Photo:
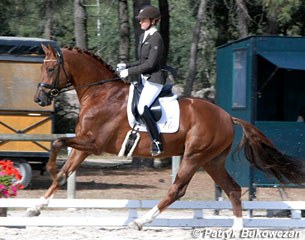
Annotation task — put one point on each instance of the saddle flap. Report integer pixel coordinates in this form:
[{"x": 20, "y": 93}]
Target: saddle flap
[{"x": 155, "y": 108}]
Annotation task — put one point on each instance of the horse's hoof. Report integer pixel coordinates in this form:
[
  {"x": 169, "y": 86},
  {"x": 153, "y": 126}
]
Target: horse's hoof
[
  {"x": 135, "y": 225},
  {"x": 32, "y": 212}
]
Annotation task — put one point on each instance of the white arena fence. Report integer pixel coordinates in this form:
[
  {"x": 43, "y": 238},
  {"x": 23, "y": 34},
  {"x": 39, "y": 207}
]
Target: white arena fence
[{"x": 130, "y": 212}]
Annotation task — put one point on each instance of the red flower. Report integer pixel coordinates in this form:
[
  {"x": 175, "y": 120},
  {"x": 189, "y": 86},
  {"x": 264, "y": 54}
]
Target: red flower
[{"x": 9, "y": 176}]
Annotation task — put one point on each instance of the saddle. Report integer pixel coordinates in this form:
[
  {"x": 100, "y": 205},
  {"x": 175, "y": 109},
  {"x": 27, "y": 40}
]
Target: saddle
[
  {"x": 165, "y": 111},
  {"x": 155, "y": 108}
]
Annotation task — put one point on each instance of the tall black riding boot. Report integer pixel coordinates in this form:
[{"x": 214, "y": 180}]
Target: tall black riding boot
[{"x": 153, "y": 131}]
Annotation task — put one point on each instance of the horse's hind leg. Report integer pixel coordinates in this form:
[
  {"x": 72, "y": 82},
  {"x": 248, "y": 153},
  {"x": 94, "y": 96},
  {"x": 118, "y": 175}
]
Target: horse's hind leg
[
  {"x": 176, "y": 191},
  {"x": 216, "y": 169}
]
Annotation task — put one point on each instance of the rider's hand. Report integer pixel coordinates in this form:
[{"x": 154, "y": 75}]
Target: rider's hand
[
  {"x": 120, "y": 67},
  {"x": 124, "y": 73}
]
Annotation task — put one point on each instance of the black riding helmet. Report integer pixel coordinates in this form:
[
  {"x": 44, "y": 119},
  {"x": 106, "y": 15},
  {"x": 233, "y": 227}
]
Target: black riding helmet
[{"x": 150, "y": 12}]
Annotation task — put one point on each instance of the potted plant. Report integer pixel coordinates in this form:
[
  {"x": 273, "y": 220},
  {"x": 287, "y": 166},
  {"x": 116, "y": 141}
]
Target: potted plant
[{"x": 9, "y": 177}]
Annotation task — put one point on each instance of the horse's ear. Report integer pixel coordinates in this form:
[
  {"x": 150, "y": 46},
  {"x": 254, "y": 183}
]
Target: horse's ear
[
  {"x": 44, "y": 48},
  {"x": 49, "y": 51},
  {"x": 54, "y": 52}
]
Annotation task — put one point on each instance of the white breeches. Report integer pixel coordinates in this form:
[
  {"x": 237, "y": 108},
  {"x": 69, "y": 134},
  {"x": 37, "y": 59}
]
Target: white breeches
[{"x": 149, "y": 93}]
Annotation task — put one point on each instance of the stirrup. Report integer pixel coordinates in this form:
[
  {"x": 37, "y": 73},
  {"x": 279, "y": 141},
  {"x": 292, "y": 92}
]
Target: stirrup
[{"x": 157, "y": 148}]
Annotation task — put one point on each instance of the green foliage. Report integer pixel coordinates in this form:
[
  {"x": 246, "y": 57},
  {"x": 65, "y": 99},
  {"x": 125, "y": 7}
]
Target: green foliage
[
  {"x": 5, "y": 7},
  {"x": 27, "y": 18},
  {"x": 104, "y": 40},
  {"x": 283, "y": 11},
  {"x": 181, "y": 25},
  {"x": 15, "y": 15},
  {"x": 63, "y": 25}
]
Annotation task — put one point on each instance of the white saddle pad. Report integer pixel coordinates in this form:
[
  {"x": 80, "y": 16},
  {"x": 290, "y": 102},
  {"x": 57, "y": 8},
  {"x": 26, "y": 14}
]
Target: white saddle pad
[{"x": 169, "y": 122}]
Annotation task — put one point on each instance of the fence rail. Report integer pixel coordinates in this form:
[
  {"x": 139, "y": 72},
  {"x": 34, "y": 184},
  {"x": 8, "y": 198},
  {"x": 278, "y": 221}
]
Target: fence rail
[
  {"x": 33, "y": 137},
  {"x": 198, "y": 219}
]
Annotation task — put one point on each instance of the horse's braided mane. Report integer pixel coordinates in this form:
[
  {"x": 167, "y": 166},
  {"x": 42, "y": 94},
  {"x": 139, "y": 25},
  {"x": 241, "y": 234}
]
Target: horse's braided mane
[{"x": 83, "y": 51}]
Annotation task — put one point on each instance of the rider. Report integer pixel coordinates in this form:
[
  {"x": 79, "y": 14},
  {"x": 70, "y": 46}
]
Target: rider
[{"x": 150, "y": 50}]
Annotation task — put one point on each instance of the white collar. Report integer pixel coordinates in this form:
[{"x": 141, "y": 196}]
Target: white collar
[{"x": 150, "y": 31}]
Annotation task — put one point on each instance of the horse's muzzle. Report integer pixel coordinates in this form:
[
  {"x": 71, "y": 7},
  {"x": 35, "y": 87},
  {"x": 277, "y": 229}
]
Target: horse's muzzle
[{"x": 42, "y": 98}]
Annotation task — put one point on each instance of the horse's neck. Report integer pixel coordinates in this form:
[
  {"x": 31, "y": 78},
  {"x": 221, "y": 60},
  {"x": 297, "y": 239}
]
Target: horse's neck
[
  {"x": 85, "y": 71},
  {"x": 110, "y": 99}
]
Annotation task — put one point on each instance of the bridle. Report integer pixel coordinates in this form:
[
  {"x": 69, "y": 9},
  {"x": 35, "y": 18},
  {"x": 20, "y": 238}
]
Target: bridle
[
  {"x": 54, "y": 87},
  {"x": 55, "y": 90}
]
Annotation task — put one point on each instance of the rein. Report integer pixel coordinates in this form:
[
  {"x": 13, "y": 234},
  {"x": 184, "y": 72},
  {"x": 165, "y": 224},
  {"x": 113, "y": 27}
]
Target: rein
[{"x": 101, "y": 82}]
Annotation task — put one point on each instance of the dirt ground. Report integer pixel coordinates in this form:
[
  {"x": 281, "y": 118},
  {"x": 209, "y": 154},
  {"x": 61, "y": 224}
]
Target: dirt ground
[
  {"x": 106, "y": 180},
  {"x": 113, "y": 178}
]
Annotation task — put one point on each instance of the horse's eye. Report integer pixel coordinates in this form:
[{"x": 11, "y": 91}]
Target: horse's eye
[{"x": 50, "y": 70}]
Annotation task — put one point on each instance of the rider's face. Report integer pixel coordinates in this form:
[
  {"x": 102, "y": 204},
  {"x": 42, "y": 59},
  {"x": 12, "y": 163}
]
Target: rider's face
[{"x": 145, "y": 23}]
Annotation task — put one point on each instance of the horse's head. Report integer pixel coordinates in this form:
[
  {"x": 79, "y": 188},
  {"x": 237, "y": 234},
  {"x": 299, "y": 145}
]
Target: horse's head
[{"x": 53, "y": 76}]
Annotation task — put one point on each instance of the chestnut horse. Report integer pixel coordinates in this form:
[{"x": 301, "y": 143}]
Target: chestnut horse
[{"x": 204, "y": 138}]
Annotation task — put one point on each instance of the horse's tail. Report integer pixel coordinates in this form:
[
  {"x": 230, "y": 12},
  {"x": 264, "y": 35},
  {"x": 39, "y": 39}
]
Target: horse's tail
[{"x": 261, "y": 153}]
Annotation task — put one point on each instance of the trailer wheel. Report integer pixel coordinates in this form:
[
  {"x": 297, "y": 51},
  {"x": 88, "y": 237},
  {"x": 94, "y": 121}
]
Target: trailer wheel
[{"x": 25, "y": 170}]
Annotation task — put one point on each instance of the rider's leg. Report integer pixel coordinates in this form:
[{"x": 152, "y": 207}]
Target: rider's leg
[
  {"x": 153, "y": 131},
  {"x": 149, "y": 93}
]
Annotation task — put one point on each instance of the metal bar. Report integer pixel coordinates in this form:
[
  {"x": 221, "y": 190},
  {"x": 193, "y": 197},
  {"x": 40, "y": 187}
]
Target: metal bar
[
  {"x": 41, "y": 146},
  {"x": 8, "y": 127},
  {"x": 33, "y": 137}
]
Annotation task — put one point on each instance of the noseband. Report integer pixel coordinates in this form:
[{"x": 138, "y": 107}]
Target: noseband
[{"x": 54, "y": 87}]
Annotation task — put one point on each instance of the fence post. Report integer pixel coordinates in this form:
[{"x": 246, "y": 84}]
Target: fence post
[
  {"x": 175, "y": 166},
  {"x": 71, "y": 193}
]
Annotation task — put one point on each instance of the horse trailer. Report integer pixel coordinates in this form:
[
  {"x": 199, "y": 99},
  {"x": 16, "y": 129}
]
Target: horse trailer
[
  {"x": 20, "y": 61},
  {"x": 261, "y": 80}
]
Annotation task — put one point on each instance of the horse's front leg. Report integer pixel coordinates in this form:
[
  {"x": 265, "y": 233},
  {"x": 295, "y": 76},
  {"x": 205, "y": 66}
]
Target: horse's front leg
[
  {"x": 72, "y": 163},
  {"x": 52, "y": 169},
  {"x": 51, "y": 165}
]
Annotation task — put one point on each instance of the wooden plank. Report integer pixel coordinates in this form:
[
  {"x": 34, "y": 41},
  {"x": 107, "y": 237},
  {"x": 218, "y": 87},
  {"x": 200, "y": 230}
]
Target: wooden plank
[
  {"x": 147, "y": 204},
  {"x": 176, "y": 219},
  {"x": 18, "y": 84},
  {"x": 159, "y": 222}
]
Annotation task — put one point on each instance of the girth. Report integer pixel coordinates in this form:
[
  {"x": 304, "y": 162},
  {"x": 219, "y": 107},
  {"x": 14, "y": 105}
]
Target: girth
[{"x": 155, "y": 108}]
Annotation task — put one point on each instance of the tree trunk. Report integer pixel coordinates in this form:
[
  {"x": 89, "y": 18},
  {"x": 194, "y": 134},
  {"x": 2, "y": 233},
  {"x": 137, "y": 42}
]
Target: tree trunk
[
  {"x": 194, "y": 47},
  {"x": 242, "y": 17},
  {"x": 124, "y": 31},
  {"x": 49, "y": 19},
  {"x": 164, "y": 28},
  {"x": 80, "y": 24},
  {"x": 137, "y": 6},
  {"x": 272, "y": 27}
]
